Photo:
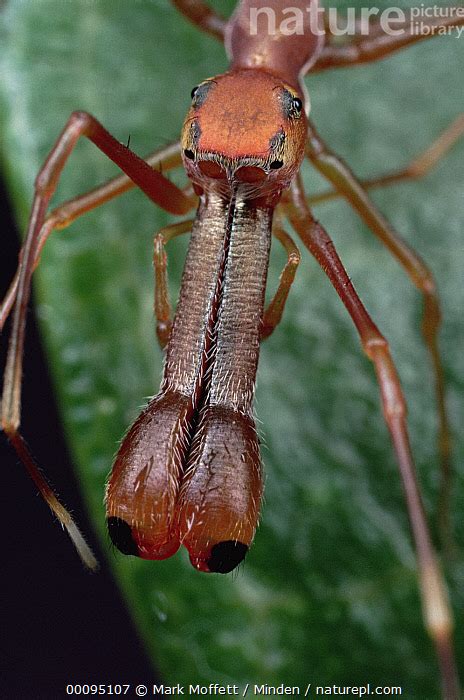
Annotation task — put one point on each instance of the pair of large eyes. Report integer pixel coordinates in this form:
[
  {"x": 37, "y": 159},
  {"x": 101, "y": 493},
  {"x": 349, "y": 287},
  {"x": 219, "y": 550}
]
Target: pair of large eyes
[{"x": 292, "y": 105}]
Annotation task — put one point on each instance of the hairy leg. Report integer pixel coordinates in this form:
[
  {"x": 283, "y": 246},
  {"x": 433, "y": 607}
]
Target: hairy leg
[
  {"x": 345, "y": 182},
  {"x": 163, "y": 159},
  {"x": 157, "y": 188},
  {"x": 418, "y": 167},
  {"x": 436, "y": 611}
]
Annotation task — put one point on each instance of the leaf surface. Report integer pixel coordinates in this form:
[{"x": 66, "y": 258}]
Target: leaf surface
[{"x": 328, "y": 593}]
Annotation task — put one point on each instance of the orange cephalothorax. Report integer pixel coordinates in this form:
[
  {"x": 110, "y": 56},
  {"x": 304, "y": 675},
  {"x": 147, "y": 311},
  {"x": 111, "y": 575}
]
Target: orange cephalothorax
[{"x": 246, "y": 125}]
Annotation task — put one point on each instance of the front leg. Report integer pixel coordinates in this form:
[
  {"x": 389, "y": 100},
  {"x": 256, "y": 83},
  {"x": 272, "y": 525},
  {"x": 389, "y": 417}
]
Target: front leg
[
  {"x": 163, "y": 159},
  {"x": 348, "y": 186},
  {"x": 436, "y": 611},
  {"x": 157, "y": 187}
]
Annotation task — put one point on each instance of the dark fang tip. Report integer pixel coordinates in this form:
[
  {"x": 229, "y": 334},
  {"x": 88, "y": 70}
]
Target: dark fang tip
[
  {"x": 225, "y": 556},
  {"x": 276, "y": 164},
  {"x": 189, "y": 154},
  {"x": 121, "y": 536}
]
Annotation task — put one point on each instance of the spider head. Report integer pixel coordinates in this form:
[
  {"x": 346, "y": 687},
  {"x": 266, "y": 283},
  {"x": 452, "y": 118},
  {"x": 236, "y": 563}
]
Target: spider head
[{"x": 245, "y": 128}]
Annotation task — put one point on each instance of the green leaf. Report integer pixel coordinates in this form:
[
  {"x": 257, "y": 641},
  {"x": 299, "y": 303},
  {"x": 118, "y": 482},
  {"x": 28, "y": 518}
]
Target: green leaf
[{"x": 328, "y": 593}]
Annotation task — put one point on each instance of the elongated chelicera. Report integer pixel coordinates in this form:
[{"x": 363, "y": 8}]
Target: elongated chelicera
[{"x": 188, "y": 471}]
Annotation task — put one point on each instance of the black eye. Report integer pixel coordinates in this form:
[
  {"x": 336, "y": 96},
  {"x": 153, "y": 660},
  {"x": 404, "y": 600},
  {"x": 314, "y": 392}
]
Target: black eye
[
  {"x": 292, "y": 105},
  {"x": 200, "y": 93},
  {"x": 297, "y": 105},
  {"x": 276, "y": 164},
  {"x": 189, "y": 154}
]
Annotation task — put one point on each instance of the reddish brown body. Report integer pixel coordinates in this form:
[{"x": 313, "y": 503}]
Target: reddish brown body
[{"x": 188, "y": 471}]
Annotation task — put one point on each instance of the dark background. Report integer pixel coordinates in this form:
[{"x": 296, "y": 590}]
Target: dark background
[{"x": 46, "y": 639}]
